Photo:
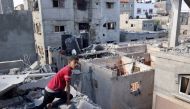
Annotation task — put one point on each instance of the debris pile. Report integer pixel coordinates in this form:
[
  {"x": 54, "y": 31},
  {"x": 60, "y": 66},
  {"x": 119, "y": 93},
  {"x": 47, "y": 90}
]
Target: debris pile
[{"x": 24, "y": 89}]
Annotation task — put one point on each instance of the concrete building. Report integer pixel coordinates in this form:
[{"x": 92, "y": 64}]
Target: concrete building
[
  {"x": 16, "y": 34},
  {"x": 171, "y": 81},
  {"x": 139, "y": 25},
  {"x": 100, "y": 19},
  {"x": 137, "y": 9},
  {"x": 163, "y": 7},
  {"x": 126, "y": 36},
  {"x": 122, "y": 88},
  {"x": 171, "y": 89}
]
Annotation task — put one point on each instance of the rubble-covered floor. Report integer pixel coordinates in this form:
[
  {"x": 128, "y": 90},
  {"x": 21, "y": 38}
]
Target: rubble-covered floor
[{"x": 24, "y": 90}]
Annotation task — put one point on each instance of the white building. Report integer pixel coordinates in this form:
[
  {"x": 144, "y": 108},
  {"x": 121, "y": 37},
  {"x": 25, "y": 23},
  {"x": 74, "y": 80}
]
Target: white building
[
  {"x": 137, "y": 8},
  {"x": 53, "y": 18}
]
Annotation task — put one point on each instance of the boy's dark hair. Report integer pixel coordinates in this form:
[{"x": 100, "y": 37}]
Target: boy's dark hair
[{"x": 75, "y": 58}]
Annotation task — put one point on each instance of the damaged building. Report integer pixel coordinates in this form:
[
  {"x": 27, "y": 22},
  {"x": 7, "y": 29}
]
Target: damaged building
[
  {"x": 16, "y": 33},
  {"x": 118, "y": 82},
  {"x": 94, "y": 21}
]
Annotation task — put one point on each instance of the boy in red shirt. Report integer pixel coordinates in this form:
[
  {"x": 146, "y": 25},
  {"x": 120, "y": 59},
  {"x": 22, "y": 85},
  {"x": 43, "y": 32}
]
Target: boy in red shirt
[{"x": 56, "y": 86}]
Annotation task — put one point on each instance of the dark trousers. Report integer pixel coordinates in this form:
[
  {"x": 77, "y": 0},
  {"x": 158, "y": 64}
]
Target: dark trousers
[{"x": 49, "y": 97}]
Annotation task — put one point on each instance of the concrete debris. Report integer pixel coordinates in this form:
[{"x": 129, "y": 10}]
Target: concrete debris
[
  {"x": 34, "y": 95},
  {"x": 12, "y": 101},
  {"x": 79, "y": 101},
  {"x": 35, "y": 65},
  {"x": 14, "y": 71},
  {"x": 10, "y": 81},
  {"x": 47, "y": 68}
]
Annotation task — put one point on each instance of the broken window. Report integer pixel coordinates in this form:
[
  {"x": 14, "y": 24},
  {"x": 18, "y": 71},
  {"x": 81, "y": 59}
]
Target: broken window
[
  {"x": 132, "y": 25},
  {"x": 59, "y": 28},
  {"x": 135, "y": 88},
  {"x": 35, "y": 6},
  {"x": 82, "y": 4},
  {"x": 84, "y": 26},
  {"x": 111, "y": 25},
  {"x": 62, "y": 28},
  {"x": 150, "y": 11},
  {"x": 185, "y": 85},
  {"x": 110, "y": 5},
  {"x": 138, "y": 10},
  {"x": 58, "y": 3}
]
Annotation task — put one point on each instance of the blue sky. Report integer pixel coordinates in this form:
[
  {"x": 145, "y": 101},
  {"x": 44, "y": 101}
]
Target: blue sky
[{"x": 184, "y": 6}]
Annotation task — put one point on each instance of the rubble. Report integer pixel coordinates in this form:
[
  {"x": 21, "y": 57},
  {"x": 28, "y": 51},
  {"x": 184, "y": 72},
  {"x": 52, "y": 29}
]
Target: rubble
[{"x": 27, "y": 89}]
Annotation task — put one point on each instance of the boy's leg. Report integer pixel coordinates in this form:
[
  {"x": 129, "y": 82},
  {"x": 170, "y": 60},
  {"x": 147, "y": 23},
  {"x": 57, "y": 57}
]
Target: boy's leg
[
  {"x": 63, "y": 96},
  {"x": 48, "y": 98}
]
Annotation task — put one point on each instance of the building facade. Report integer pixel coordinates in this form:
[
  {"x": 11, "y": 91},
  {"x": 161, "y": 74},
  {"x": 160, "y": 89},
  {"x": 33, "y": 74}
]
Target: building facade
[
  {"x": 139, "y": 25},
  {"x": 54, "y": 18},
  {"x": 137, "y": 8}
]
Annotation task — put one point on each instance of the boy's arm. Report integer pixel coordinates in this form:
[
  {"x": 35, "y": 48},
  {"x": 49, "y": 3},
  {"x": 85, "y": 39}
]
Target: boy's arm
[{"x": 68, "y": 91}]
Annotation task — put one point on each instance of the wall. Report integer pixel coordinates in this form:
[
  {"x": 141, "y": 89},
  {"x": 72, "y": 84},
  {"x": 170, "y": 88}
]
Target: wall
[
  {"x": 100, "y": 77},
  {"x": 140, "y": 25},
  {"x": 5, "y": 66},
  {"x": 135, "y": 36},
  {"x": 123, "y": 19},
  {"x": 99, "y": 84},
  {"x": 127, "y": 8},
  {"x": 144, "y": 7},
  {"x": 6, "y": 6},
  {"x": 165, "y": 102},
  {"x": 16, "y": 36},
  {"x": 122, "y": 98}
]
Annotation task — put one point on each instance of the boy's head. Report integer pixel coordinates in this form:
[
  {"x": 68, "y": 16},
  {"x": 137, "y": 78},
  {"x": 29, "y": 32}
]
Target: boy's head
[{"x": 73, "y": 61}]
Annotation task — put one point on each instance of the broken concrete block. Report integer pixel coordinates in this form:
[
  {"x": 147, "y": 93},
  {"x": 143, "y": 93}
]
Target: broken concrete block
[
  {"x": 6, "y": 103},
  {"x": 14, "y": 71},
  {"x": 35, "y": 65}
]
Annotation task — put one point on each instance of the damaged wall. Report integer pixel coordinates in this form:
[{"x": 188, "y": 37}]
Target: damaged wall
[
  {"x": 16, "y": 40},
  {"x": 97, "y": 84},
  {"x": 101, "y": 84},
  {"x": 124, "y": 98}
]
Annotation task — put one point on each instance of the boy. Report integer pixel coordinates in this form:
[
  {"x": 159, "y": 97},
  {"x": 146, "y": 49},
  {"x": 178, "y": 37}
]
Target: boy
[{"x": 56, "y": 86}]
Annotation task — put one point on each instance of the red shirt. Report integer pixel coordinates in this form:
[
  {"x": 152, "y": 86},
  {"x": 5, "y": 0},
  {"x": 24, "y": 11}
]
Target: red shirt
[{"x": 58, "y": 82}]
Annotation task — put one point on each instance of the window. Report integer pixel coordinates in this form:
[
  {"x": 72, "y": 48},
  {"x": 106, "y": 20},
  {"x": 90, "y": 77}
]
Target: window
[
  {"x": 111, "y": 25},
  {"x": 62, "y": 28},
  {"x": 138, "y": 10},
  {"x": 58, "y": 3},
  {"x": 185, "y": 85},
  {"x": 82, "y": 5},
  {"x": 110, "y": 5},
  {"x": 132, "y": 25},
  {"x": 84, "y": 26},
  {"x": 59, "y": 28},
  {"x": 144, "y": 25},
  {"x": 150, "y": 11}
]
